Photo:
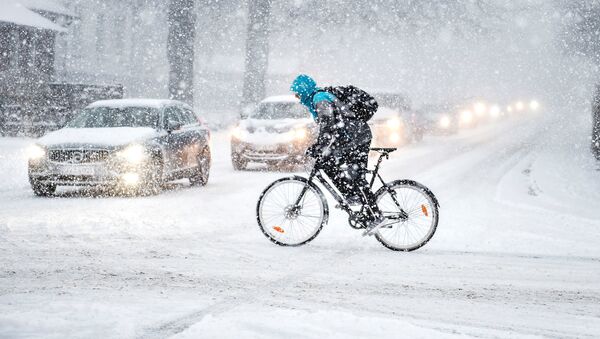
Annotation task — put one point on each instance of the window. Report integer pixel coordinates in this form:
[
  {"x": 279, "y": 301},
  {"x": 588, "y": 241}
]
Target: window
[
  {"x": 98, "y": 117},
  {"x": 191, "y": 118},
  {"x": 280, "y": 110},
  {"x": 173, "y": 114}
]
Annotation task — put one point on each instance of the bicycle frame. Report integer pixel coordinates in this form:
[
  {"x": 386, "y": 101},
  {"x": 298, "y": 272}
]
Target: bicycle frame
[{"x": 320, "y": 175}]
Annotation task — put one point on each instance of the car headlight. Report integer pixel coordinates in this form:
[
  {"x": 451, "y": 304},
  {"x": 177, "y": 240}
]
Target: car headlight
[
  {"x": 534, "y": 105},
  {"x": 445, "y": 121},
  {"x": 466, "y": 117},
  {"x": 479, "y": 108},
  {"x": 393, "y": 123},
  {"x": 133, "y": 154},
  {"x": 520, "y": 105},
  {"x": 495, "y": 111},
  {"x": 238, "y": 132},
  {"x": 300, "y": 133},
  {"x": 35, "y": 152}
]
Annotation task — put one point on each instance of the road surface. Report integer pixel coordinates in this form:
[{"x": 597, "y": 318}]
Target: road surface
[{"x": 516, "y": 253}]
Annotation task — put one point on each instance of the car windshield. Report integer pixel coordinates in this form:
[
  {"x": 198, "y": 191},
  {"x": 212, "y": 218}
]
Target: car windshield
[
  {"x": 279, "y": 110},
  {"x": 98, "y": 117}
]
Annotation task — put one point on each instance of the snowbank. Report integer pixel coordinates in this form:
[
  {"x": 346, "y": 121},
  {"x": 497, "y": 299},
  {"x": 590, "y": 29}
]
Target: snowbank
[
  {"x": 283, "y": 323},
  {"x": 15, "y": 13}
]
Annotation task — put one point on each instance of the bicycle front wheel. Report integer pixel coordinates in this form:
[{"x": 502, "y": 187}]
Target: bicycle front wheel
[
  {"x": 285, "y": 223},
  {"x": 411, "y": 199}
]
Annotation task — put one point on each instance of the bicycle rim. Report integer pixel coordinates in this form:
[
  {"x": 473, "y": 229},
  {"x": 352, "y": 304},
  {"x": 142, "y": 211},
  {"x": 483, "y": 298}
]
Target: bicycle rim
[
  {"x": 282, "y": 226},
  {"x": 417, "y": 230}
]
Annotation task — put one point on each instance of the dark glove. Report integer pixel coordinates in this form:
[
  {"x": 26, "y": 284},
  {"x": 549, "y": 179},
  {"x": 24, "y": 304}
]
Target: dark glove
[{"x": 313, "y": 152}]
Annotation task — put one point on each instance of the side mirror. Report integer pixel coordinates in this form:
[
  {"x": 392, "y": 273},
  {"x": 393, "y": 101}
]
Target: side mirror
[
  {"x": 173, "y": 126},
  {"x": 246, "y": 111}
]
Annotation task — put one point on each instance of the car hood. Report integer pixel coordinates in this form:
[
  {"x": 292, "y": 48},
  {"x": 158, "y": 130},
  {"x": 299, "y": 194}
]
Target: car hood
[
  {"x": 104, "y": 137},
  {"x": 271, "y": 131},
  {"x": 274, "y": 125}
]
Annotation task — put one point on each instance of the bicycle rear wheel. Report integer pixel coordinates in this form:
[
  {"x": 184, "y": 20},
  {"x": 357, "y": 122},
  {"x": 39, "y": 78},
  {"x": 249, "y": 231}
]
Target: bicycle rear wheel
[
  {"x": 284, "y": 224},
  {"x": 418, "y": 203}
]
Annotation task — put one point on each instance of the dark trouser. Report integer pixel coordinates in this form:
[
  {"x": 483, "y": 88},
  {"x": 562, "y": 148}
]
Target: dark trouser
[{"x": 346, "y": 166}]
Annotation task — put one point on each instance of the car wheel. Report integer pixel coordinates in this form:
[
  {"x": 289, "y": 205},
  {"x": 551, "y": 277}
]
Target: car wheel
[
  {"x": 239, "y": 163},
  {"x": 42, "y": 190},
  {"x": 201, "y": 174}
]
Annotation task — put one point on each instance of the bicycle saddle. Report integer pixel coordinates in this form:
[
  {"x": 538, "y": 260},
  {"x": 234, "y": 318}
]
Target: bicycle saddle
[{"x": 383, "y": 149}]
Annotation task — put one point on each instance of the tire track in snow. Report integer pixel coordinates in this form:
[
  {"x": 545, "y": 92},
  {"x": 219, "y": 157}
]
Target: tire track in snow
[{"x": 231, "y": 301}]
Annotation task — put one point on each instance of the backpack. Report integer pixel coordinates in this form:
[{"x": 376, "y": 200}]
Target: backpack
[{"x": 359, "y": 102}]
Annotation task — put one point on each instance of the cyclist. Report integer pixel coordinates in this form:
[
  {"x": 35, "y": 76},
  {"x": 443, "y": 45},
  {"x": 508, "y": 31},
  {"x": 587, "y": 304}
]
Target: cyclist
[{"x": 342, "y": 146}]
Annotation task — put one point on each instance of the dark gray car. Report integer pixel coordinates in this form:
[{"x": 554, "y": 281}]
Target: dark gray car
[{"x": 129, "y": 144}]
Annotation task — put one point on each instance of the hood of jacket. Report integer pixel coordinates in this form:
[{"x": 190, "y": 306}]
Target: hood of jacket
[{"x": 305, "y": 87}]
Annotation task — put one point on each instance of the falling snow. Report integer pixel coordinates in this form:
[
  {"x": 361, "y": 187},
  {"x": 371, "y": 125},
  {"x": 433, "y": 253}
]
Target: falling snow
[{"x": 180, "y": 114}]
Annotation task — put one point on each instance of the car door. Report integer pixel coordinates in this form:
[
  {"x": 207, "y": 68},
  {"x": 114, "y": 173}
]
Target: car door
[
  {"x": 196, "y": 135},
  {"x": 174, "y": 140}
]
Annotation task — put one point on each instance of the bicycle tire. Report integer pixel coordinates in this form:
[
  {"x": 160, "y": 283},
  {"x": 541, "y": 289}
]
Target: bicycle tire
[
  {"x": 312, "y": 188},
  {"x": 433, "y": 202}
]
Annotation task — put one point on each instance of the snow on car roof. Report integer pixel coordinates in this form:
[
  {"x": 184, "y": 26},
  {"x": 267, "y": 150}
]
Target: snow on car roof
[
  {"x": 15, "y": 13},
  {"x": 281, "y": 98},
  {"x": 50, "y": 6},
  {"x": 155, "y": 103}
]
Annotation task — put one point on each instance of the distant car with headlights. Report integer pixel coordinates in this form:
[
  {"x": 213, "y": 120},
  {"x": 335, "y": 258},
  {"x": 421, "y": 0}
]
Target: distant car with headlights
[
  {"x": 129, "y": 144},
  {"x": 389, "y": 128},
  {"x": 443, "y": 119},
  {"x": 277, "y": 133},
  {"x": 396, "y": 122}
]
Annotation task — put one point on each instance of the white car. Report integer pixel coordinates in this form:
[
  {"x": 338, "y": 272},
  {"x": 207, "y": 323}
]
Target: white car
[
  {"x": 389, "y": 128},
  {"x": 277, "y": 132}
]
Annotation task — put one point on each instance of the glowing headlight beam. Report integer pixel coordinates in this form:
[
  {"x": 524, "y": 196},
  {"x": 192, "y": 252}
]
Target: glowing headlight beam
[
  {"x": 519, "y": 105},
  {"x": 394, "y": 137},
  {"x": 466, "y": 117},
  {"x": 479, "y": 108},
  {"x": 131, "y": 179},
  {"x": 35, "y": 152},
  {"x": 300, "y": 134},
  {"x": 237, "y": 132},
  {"x": 445, "y": 121},
  {"x": 495, "y": 111},
  {"x": 133, "y": 154},
  {"x": 394, "y": 123},
  {"x": 534, "y": 105}
]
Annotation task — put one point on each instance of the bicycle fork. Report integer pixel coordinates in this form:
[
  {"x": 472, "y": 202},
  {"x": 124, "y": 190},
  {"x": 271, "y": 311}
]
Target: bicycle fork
[
  {"x": 296, "y": 207},
  {"x": 402, "y": 215}
]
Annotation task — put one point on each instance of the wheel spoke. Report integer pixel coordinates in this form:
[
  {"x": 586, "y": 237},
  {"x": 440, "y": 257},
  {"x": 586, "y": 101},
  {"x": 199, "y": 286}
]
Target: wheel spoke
[
  {"x": 419, "y": 226},
  {"x": 277, "y": 203}
]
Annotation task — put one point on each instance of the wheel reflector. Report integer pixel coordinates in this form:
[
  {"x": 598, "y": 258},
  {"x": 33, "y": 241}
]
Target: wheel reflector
[
  {"x": 424, "y": 209},
  {"x": 278, "y": 229}
]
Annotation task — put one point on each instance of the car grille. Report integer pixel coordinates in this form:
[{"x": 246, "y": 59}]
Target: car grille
[
  {"x": 78, "y": 156},
  {"x": 268, "y": 129}
]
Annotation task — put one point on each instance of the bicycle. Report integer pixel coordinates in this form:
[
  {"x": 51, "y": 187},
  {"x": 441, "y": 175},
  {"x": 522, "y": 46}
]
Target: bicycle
[{"x": 291, "y": 211}]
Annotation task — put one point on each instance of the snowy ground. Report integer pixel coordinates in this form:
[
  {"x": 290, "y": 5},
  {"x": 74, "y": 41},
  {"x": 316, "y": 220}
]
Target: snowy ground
[{"x": 516, "y": 253}]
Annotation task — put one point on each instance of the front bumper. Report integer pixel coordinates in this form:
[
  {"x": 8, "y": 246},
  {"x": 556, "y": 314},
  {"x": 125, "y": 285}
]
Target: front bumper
[
  {"x": 92, "y": 174},
  {"x": 269, "y": 153}
]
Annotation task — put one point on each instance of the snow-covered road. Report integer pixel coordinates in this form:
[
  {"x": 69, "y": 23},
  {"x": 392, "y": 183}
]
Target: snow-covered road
[{"x": 516, "y": 253}]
